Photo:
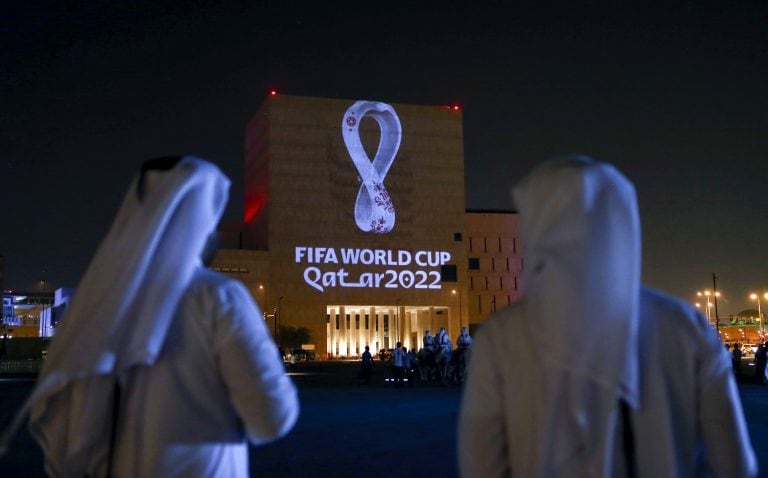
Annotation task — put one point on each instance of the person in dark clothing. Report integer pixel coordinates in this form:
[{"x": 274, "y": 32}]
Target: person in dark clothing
[
  {"x": 366, "y": 365},
  {"x": 761, "y": 359},
  {"x": 736, "y": 359}
]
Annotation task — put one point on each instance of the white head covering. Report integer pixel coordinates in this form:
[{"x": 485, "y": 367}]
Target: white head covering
[
  {"x": 120, "y": 314},
  {"x": 581, "y": 243}
]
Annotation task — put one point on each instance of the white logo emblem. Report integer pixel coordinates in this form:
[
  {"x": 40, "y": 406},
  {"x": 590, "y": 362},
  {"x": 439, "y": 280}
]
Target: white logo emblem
[{"x": 374, "y": 211}]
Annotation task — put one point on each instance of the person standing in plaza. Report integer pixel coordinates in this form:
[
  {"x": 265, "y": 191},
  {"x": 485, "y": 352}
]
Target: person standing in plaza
[
  {"x": 366, "y": 365},
  {"x": 161, "y": 367},
  {"x": 736, "y": 360},
  {"x": 398, "y": 362},
  {"x": 443, "y": 340},
  {"x": 412, "y": 360},
  {"x": 428, "y": 342},
  {"x": 586, "y": 376},
  {"x": 464, "y": 341},
  {"x": 407, "y": 367},
  {"x": 761, "y": 359}
]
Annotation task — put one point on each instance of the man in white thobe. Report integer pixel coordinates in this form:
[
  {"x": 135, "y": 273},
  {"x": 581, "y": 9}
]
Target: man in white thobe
[
  {"x": 161, "y": 368},
  {"x": 443, "y": 340},
  {"x": 464, "y": 340},
  {"x": 428, "y": 341},
  {"x": 590, "y": 374}
]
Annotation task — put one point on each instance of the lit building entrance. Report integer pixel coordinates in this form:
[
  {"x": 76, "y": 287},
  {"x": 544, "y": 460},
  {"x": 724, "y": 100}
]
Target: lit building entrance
[{"x": 349, "y": 328}]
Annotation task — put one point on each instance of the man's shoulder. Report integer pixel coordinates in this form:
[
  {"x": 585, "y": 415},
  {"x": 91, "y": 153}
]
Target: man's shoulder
[
  {"x": 209, "y": 279},
  {"x": 503, "y": 324},
  {"x": 673, "y": 320},
  {"x": 208, "y": 285},
  {"x": 657, "y": 306}
]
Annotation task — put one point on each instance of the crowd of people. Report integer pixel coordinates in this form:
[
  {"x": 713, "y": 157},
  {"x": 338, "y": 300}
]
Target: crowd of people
[{"x": 759, "y": 362}]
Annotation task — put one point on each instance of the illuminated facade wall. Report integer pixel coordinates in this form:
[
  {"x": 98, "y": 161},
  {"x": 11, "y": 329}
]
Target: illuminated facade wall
[
  {"x": 494, "y": 261},
  {"x": 357, "y": 210}
]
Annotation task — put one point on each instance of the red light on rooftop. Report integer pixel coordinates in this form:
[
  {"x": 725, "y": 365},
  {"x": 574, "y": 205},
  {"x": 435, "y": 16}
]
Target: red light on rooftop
[
  {"x": 455, "y": 107},
  {"x": 273, "y": 92}
]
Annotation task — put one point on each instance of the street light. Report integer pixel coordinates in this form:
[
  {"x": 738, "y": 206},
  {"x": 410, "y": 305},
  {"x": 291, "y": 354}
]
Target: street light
[
  {"x": 756, "y": 297},
  {"x": 708, "y": 294}
]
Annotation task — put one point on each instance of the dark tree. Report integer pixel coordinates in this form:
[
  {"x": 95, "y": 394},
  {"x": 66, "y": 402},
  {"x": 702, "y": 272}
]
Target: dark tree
[{"x": 294, "y": 337}]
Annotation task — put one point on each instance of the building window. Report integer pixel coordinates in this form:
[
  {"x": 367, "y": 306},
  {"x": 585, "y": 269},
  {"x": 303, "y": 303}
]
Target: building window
[
  {"x": 485, "y": 244},
  {"x": 486, "y": 282},
  {"x": 493, "y": 263},
  {"x": 474, "y": 263},
  {"x": 337, "y": 321},
  {"x": 514, "y": 245},
  {"x": 357, "y": 321},
  {"x": 448, "y": 273},
  {"x": 501, "y": 282},
  {"x": 479, "y": 304},
  {"x": 457, "y": 236},
  {"x": 499, "y": 244},
  {"x": 470, "y": 243},
  {"x": 377, "y": 322},
  {"x": 366, "y": 321},
  {"x": 515, "y": 282},
  {"x": 471, "y": 283},
  {"x": 386, "y": 325},
  {"x": 509, "y": 300},
  {"x": 347, "y": 321},
  {"x": 507, "y": 264}
]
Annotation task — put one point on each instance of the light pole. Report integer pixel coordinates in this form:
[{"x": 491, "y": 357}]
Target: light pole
[
  {"x": 756, "y": 297},
  {"x": 277, "y": 315},
  {"x": 714, "y": 291},
  {"x": 708, "y": 294},
  {"x": 461, "y": 321},
  {"x": 264, "y": 289},
  {"x": 397, "y": 321}
]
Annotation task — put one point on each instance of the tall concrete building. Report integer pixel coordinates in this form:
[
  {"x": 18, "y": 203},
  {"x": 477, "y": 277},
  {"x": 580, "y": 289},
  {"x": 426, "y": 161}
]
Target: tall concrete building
[{"x": 355, "y": 225}]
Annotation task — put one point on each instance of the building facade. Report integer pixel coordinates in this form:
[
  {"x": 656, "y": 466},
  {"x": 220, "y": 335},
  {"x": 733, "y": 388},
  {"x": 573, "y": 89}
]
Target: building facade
[
  {"x": 21, "y": 312},
  {"x": 355, "y": 225}
]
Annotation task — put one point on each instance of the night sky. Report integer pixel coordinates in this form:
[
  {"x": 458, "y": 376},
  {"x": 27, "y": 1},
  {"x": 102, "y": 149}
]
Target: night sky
[{"x": 675, "y": 97}]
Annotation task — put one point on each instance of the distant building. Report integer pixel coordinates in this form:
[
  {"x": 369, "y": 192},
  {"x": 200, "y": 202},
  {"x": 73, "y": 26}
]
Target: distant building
[
  {"x": 50, "y": 317},
  {"x": 21, "y": 312},
  {"x": 745, "y": 327},
  {"x": 355, "y": 225}
]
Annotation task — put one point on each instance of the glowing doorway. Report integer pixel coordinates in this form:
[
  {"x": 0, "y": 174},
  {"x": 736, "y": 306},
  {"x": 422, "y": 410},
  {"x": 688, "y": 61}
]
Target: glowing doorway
[{"x": 349, "y": 328}]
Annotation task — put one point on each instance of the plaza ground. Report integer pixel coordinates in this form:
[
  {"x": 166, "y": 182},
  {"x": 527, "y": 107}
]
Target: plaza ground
[{"x": 351, "y": 430}]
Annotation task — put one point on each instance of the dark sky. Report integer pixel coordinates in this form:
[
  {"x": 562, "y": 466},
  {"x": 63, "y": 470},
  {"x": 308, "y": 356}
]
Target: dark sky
[{"x": 676, "y": 97}]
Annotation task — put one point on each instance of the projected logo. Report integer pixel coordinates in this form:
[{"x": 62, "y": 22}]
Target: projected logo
[{"x": 374, "y": 211}]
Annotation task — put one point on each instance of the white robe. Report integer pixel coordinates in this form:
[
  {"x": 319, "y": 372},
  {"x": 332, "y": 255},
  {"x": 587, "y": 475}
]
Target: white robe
[
  {"x": 549, "y": 378},
  {"x": 176, "y": 413},
  {"x": 690, "y": 422},
  {"x": 217, "y": 382}
]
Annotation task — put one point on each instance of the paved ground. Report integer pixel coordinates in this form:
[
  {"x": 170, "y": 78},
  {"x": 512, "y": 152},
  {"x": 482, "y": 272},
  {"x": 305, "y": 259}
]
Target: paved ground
[{"x": 349, "y": 430}]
